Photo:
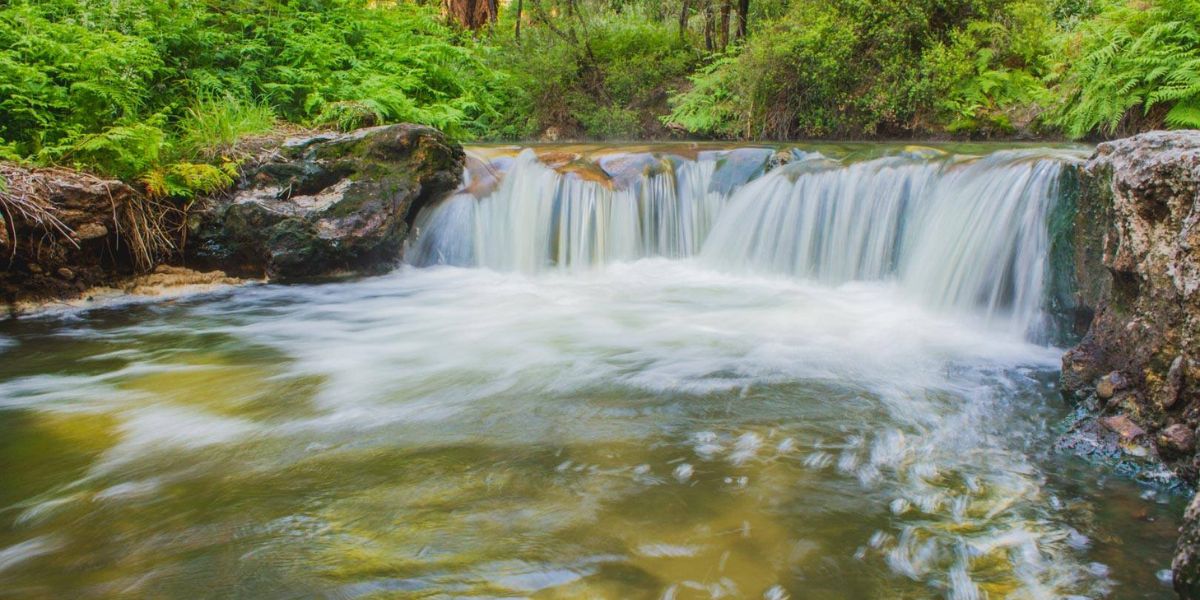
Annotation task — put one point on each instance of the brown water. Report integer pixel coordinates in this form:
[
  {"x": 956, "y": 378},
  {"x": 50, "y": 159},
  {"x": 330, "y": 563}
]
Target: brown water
[{"x": 651, "y": 430}]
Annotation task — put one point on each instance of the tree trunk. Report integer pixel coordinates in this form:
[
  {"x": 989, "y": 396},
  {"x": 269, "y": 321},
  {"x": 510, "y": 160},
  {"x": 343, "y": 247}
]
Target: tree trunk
[
  {"x": 471, "y": 14},
  {"x": 726, "y": 8},
  {"x": 708, "y": 25},
  {"x": 519, "y": 2},
  {"x": 683, "y": 18},
  {"x": 743, "y": 25}
]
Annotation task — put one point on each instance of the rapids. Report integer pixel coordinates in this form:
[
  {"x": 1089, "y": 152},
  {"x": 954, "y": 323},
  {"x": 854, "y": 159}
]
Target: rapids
[{"x": 660, "y": 375}]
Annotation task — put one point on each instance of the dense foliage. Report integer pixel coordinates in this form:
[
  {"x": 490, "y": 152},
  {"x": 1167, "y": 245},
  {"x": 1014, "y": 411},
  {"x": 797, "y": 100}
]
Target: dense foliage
[
  {"x": 849, "y": 68},
  {"x": 1131, "y": 61},
  {"x": 600, "y": 74},
  {"x": 161, "y": 91}
]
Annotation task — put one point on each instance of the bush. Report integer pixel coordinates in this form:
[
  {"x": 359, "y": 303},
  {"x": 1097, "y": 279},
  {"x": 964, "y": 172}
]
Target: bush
[{"x": 606, "y": 76}]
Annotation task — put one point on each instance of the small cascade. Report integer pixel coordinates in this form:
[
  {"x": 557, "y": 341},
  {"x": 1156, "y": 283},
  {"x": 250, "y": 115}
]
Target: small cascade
[
  {"x": 539, "y": 219},
  {"x": 958, "y": 233}
]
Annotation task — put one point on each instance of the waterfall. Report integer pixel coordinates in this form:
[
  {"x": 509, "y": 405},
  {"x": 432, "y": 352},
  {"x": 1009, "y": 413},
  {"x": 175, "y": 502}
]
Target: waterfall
[
  {"x": 961, "y": 233},
  {"x": 540, "y": 219}
]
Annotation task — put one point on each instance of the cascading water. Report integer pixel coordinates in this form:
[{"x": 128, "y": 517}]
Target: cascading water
[
  {"x": 539, "y": 219},
  {"x": 960, "y": 233}
]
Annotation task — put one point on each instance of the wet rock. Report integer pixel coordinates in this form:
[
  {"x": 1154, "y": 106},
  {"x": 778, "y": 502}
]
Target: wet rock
[
  {"x": 1109, "y": 384},
  {"x": 1123, "y": 426},
  {"x": 1186, "y": 564},
  {"x": 1176, "y": 440},
  {"x": 328, "y": 204},
  {"x": 557, "y": 159},
  {"x": 589, "y": 171},
  {"x": 65, "y": 273},
  {"x": 779, "y": 159},
  {"x": 736, "y": 167},
  {"x": 626, "y": 169}
]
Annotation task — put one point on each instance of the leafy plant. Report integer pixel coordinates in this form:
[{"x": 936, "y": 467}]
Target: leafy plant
[{"x": 1132, "y": 58}]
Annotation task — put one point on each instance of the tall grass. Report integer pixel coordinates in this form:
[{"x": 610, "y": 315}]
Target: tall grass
[{"x": 212, "y": 127}]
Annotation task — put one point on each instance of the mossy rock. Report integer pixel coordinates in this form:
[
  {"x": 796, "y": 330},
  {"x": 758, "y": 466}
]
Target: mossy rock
[{"x": 330, "y": 203}]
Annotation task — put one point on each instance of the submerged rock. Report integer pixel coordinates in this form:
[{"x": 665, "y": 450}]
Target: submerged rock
[
  {"x": 740, "y": 165},
  {"x": 328, "y": 204}
]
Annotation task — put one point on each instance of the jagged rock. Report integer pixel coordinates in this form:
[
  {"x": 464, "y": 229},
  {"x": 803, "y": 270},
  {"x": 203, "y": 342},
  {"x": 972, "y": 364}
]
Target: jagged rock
[
  {"x": 1186, "y": 566},
  {"x": 1138, "y": 267},
  {"x": 328, "y": 203}
]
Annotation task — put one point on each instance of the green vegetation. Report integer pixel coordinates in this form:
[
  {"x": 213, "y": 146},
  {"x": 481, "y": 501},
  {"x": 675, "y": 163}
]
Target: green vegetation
[
  {"x": 1134, "y": 65},
  {"x": 163, "y": 92}
]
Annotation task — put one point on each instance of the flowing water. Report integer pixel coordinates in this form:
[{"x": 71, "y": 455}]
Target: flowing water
[{"x": 666, "y": 373}]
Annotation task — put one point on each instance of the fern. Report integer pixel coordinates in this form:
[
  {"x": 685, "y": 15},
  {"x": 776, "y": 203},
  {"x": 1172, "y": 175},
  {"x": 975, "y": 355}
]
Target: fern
[
  {"x": 1135, "y": 56},
  {"x": 1184, "y": 115},
  {"x": 186, "y": 180}
]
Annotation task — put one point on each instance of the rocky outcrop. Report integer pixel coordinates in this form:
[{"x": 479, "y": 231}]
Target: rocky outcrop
[
  {"x": 327, "y": 204},
  {"x": 1137, "y": 369},
  {"x": 309, "y": 206}
]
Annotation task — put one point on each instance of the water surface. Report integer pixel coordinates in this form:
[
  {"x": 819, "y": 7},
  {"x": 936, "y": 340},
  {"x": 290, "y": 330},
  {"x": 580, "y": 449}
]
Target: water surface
[{"x": 690, "y": 419}]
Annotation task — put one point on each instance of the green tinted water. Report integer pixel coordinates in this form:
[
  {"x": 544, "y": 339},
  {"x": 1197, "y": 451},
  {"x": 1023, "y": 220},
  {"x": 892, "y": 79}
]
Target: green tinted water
[{"x": 654, "y": 430}]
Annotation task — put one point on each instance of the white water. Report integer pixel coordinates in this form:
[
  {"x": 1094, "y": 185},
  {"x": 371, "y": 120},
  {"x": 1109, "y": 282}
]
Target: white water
[
  {"x": 960, "y": 233},
  {"x": 904, "y": 433},
  {"x": 539, "y": 219}
]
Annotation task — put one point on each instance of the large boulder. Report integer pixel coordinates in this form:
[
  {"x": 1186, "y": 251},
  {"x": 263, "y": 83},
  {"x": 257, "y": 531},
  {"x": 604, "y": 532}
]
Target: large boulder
[{"x": 327, "y": 204}]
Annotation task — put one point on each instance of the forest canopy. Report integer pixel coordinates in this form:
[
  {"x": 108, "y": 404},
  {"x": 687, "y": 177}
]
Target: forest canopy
[{"x": 162, "y": 90}]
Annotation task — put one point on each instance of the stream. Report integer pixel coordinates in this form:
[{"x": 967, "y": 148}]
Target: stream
[{"x": 662, "y": 373}]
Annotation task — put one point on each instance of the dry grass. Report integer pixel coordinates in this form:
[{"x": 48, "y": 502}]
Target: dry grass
[
  {"x": 141, "y": 224},
  {"x": 24, "y": 199}
]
